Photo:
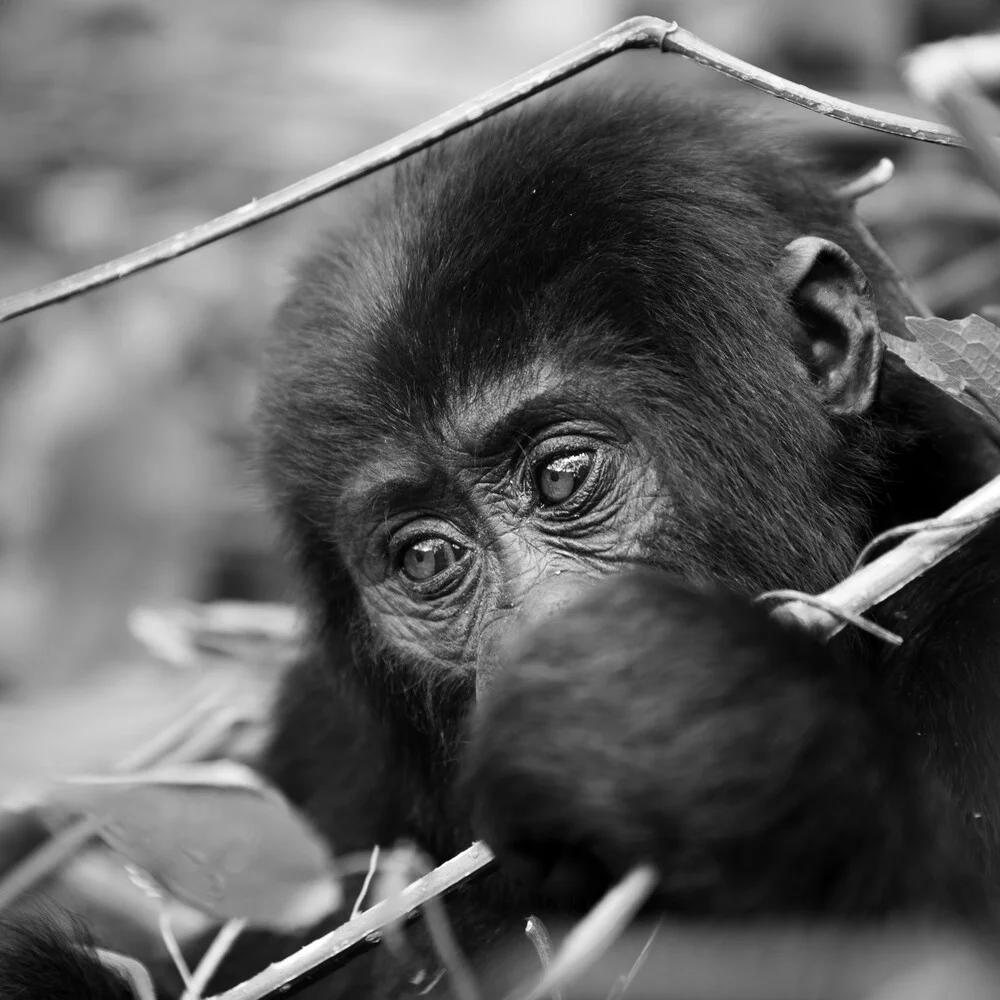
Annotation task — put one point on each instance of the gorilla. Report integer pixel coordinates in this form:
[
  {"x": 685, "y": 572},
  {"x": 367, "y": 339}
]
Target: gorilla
[{"x": 580, "y": 384}]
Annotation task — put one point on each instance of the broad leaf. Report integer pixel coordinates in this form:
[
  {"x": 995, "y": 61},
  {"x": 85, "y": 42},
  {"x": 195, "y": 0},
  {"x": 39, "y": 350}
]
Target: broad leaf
[
  {"x": 216, "y": 837},
  {"x": 956, "y": 355}
]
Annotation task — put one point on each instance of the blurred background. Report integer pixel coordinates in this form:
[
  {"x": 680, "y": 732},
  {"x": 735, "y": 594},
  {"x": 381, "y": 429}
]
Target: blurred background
[{"x": 125, "y": 441}]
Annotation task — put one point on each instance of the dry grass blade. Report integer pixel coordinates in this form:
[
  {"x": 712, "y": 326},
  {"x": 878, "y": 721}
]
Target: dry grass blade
[
  {"x": 538, "y": 935},
  {"x": 598, "y": 930},
  {"x": 212, "y": 958},
  {"x": 624, "y": 982},
  {"x": 366, "y": 885}
]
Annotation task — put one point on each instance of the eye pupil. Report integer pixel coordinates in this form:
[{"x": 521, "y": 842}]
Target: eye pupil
[
  {"x": 426, "y": 558},
  {"x": 562, "y": 476}
]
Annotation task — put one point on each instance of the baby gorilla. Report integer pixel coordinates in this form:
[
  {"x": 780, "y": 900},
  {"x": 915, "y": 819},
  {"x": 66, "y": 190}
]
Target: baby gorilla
[{"x": 652, "y": 722}]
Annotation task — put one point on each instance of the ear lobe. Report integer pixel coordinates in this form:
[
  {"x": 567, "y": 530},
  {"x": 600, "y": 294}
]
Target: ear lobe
[{"x": 841, "y": 345}]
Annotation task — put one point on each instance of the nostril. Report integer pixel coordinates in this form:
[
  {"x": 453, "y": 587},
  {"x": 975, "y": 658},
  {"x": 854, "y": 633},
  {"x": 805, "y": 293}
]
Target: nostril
[
  {"x": 552, "y": 596},
  {"x": 576, "y": 879},
  {"x": 567, "y": 876},
  {"x": 528, "y": 864},
  {"x": 545, "y": 599}
]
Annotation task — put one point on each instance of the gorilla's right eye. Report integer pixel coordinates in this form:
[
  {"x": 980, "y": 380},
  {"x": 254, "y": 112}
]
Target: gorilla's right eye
[
  {"x": 560, "y": 477},
  {"x": 424, "y": 559}
]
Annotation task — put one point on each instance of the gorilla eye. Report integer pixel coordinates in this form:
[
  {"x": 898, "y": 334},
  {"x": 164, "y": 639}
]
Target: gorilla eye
[
  {"x": 423, "y": 560},
  {"x": 559, "y": 478}
]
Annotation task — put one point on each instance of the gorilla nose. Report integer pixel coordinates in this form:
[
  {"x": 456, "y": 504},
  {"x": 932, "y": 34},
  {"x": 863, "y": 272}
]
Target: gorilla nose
[
  {"x": 550, "y": 596},
  {"x": 543, "y": 600},
  {"x": 564, "y": 875}
]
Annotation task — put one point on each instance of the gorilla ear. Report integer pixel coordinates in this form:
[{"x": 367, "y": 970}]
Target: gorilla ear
[{"x": 841, "y": 345}]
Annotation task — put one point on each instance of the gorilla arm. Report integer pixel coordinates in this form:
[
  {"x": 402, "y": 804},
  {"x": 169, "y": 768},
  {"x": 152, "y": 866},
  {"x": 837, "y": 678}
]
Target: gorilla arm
[{"x": 655, "y": 723}]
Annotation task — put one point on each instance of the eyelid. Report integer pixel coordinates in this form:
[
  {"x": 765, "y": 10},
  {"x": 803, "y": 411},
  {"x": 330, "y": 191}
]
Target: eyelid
[
  {"x": 561, "y": 440},
  {"x": 569, "y": 433},
  {"x": 418, "y": 528}
]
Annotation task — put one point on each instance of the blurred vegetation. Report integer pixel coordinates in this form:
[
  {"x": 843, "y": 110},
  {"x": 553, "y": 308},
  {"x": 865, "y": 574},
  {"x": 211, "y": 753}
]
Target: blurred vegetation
[{"x": 125, "y": 443}]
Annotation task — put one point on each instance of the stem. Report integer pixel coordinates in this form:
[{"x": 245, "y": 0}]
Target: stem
[
  {"x": 637, "y": 33},
  {"x": 888, "y": 574}
]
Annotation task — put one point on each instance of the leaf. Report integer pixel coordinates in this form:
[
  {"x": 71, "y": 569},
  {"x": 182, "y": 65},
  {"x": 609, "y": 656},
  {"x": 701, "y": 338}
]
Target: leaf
[
  {"x": 959, "y": 356},
  {"x": 217, "y": 837},
  {"x": 132, "y": 970}
]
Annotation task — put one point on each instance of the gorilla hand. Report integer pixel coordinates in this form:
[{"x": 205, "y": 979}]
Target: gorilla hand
[{"x": 651, "y": 722}]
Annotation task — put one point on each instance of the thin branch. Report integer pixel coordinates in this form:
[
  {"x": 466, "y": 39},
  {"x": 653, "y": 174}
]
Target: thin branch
[
  {"x": 637, "y": 33},
  {"x": 845, "y": 617},
  {"x": 364, "y": 931},
  {"x": 888, "y": 574},
  {"x": 902, "y": 530},
  {"x": 692, "y": 47}
]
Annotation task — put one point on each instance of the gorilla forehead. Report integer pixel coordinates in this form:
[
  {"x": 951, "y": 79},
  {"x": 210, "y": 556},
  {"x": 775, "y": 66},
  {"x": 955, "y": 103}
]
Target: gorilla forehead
[
  {"x": 553, "y": 224},
  {"x": 580, "y": 231},
  {"x": 545, "y": 227}
]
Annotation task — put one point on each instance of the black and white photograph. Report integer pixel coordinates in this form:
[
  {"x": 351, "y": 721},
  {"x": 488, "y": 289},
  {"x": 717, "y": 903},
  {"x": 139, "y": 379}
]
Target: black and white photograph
[{"x": 499, "y": 500}]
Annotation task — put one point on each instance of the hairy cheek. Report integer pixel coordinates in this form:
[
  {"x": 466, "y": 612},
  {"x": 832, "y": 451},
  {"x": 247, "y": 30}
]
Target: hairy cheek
[
  {"x": 429, "y": 635},
  {"x": 549, "y": 597}
]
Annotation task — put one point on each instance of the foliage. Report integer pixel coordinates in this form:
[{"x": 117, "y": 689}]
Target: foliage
[
  {"x": 216, "y": 837},
  {"x": 956, "y": 355}
]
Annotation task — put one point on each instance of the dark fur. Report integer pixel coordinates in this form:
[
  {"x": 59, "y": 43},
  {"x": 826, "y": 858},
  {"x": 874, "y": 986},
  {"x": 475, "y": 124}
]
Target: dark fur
[
  {"x": 38, "y": 960},
  {"x": 630, "y": 242},
  {"x": 760, "y": 775}
]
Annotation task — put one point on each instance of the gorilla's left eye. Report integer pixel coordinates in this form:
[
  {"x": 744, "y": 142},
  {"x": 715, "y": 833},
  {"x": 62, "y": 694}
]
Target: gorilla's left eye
[
  {"x": 424, "y": 559},
  {"x": 558, "y": 478}
]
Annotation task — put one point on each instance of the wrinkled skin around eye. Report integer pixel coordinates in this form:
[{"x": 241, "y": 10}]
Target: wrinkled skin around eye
[{"x": 446, "y": 581}]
